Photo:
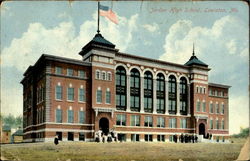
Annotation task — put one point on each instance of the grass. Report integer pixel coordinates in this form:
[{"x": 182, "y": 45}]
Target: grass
[{"x": 69, "y": 151}]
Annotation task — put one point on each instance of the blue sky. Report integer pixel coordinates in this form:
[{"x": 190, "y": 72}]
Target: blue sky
[{"x": 162, "y": 30}]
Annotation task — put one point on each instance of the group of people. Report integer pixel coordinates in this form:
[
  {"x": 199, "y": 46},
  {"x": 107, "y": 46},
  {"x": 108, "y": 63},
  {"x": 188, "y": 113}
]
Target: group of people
[
  {"x": 110, "y": 136},
  {"x": 185, "y": 138}
]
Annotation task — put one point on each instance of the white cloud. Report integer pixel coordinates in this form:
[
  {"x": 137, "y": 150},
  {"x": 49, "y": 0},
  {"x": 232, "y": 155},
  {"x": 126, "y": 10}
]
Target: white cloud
[
  {"x": 151, "y": 27},
  {"x": 62, "y": 40},
  {"x": 228, "y": 35},
  {"x": 224, "y": 47}
]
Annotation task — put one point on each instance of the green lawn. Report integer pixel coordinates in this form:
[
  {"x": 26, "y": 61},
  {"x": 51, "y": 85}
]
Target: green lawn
[{"x": 122, "y": 151}]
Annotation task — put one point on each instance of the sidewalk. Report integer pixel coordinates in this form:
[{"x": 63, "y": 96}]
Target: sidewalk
[{"x": 245, "y": 151}]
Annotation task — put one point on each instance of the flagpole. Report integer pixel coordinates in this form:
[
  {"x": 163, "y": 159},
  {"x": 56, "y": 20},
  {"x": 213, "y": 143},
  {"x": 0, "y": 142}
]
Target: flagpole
[{"x": 98, "y": 19}]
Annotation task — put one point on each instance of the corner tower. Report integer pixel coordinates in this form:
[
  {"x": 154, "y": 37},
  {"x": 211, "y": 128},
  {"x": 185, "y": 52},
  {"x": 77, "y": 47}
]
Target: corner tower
[
  {"x": 199, "y": 87},
  {"x": 101, "y": 53}
]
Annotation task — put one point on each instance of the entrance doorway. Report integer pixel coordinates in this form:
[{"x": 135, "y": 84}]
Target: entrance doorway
[
  {"x": 202, "y": 129},
  {"x": 104, "y": 125}
]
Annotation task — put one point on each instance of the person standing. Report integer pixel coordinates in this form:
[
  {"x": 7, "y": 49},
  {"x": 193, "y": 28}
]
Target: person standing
[{"x": 56, "y": 140}]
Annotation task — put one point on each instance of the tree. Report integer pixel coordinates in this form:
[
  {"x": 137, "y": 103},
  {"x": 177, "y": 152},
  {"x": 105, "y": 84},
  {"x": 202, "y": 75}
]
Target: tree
[{"x": 13, "y": 122}]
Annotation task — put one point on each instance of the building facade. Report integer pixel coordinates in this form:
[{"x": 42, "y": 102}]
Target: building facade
[{"x": 142, "y": 99}]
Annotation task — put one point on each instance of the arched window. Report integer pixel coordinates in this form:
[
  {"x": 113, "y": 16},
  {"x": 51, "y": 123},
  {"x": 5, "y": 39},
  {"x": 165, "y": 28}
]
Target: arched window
[
  {"x": 172, "y": 94},
  {"x": 183, "y": 96},
  {"x": 160, "y": 93},
  {"x": 148, "y": 92},
  {"x": 134, "y": 90},
  {"x": 120, "y": 79}
]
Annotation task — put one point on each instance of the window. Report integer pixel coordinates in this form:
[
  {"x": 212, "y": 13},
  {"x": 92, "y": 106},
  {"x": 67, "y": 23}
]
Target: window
[
  {"x": 210, "y": 92},
  {"x": 160, "y": 93},
  {"x": 59, "y": 134},
  {"x": 222, "y": 109},
  {"x": 135, "y": 120},
  {"x": 172, "y": 94},
  {"x": 121, "y": 88},
  {"x": 81, "y": 74},
  {"x": 81, "y": 95},
  {"x": 70, "y": 94},
  {"x": 148, "y": 92},
  {"x": 200, "y": 90},
  {"x": 70, "y": 116},
  {"x": 103, "y": 75},
  {"x": 211, "y": 108},
  {"x": 183, "y": 96},
  {"x": 148, "y": 137},
  {"x": 183, "y": 123},
  {"x": 211, "y": 124},
  {"x": 108, "y": 97},
  {"x": 135, "y": 90},
  {"x": 217, "y": 124},
  {"x": 135, "y": 137},
  {"x": 222, "y": 125},
  {"x": 217, "y": 108},
  {"x": 148, "y": 121},
  {"x": 161, "y": 138},
  {"x": 203, "y": 106},
  {"x": 160, "y": 122},
  {"x": 97, "y": 74},
  {"x": 120, "y": 120},
  {"x": 81, "y": 136},
  {"x": 198, "y": 108},
  {"x": 69, "y": 72},
  {"x": 172, "y": 123},
  {"x": 216, "y": 93},
  {"x": 58, "y": 70},
  {"x": 204, "y": 90},
  {"x": 197, "y": 89},
  {"x": 99, "y": 96},
  {"x": 81, "y": 117},
  {"x": 109, "y": 76}
]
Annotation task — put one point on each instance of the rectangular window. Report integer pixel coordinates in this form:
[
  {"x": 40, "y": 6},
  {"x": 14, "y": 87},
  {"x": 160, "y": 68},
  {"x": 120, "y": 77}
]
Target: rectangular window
[
  {"x": 222, "y": 109},
  {"x": 81, "y": 73},
  {"x": 135, "y": 120},
  {"x": 211, "y": 124},
  {"x": 211, "y": 108},
  {"x": 160, "y": 122},
  {"x": 97, "y": 74},
  {"x": 81, "y": 136},
  {"x": 161, "y": 138},
  {"x": 148, "y": 137},
  {"x": 210, "y": 92},
  {"x": 148, "y": 121},
  {"x": 120, "y": 120},
  {"x": 59, "y": 92},
  {"x": 222, "y": 125},
  {"x": 204, "y": 107},
  {"x": 58, "y": 115},
  {"x": 108, "y": 97},
  {"x": 103, "y": 75},
  {"x": 81, "y": 117},
  {"x": 109, "y": 76},
  {"x": 81, "y": 95},
  {"x": 69, "y": 72},
  {"x": 99, "y": 96},
  {"x": 172, "y": 123},
  {"x": 135, "y": 137},
  {"x": 70, "y": 116},
  {"x": 70, "y": 94},
  {"x": 58, "y": 70},
  {"x": 217, "y": 124},
  {"x": 198, "y": 106},
  {"x": 217, "y": 108},
  {"x": 184, "y": 123}
]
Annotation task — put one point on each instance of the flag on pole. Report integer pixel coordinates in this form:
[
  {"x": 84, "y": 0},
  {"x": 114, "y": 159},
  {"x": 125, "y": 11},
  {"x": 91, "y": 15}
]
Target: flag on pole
[{"x": 106, "y": 12}]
